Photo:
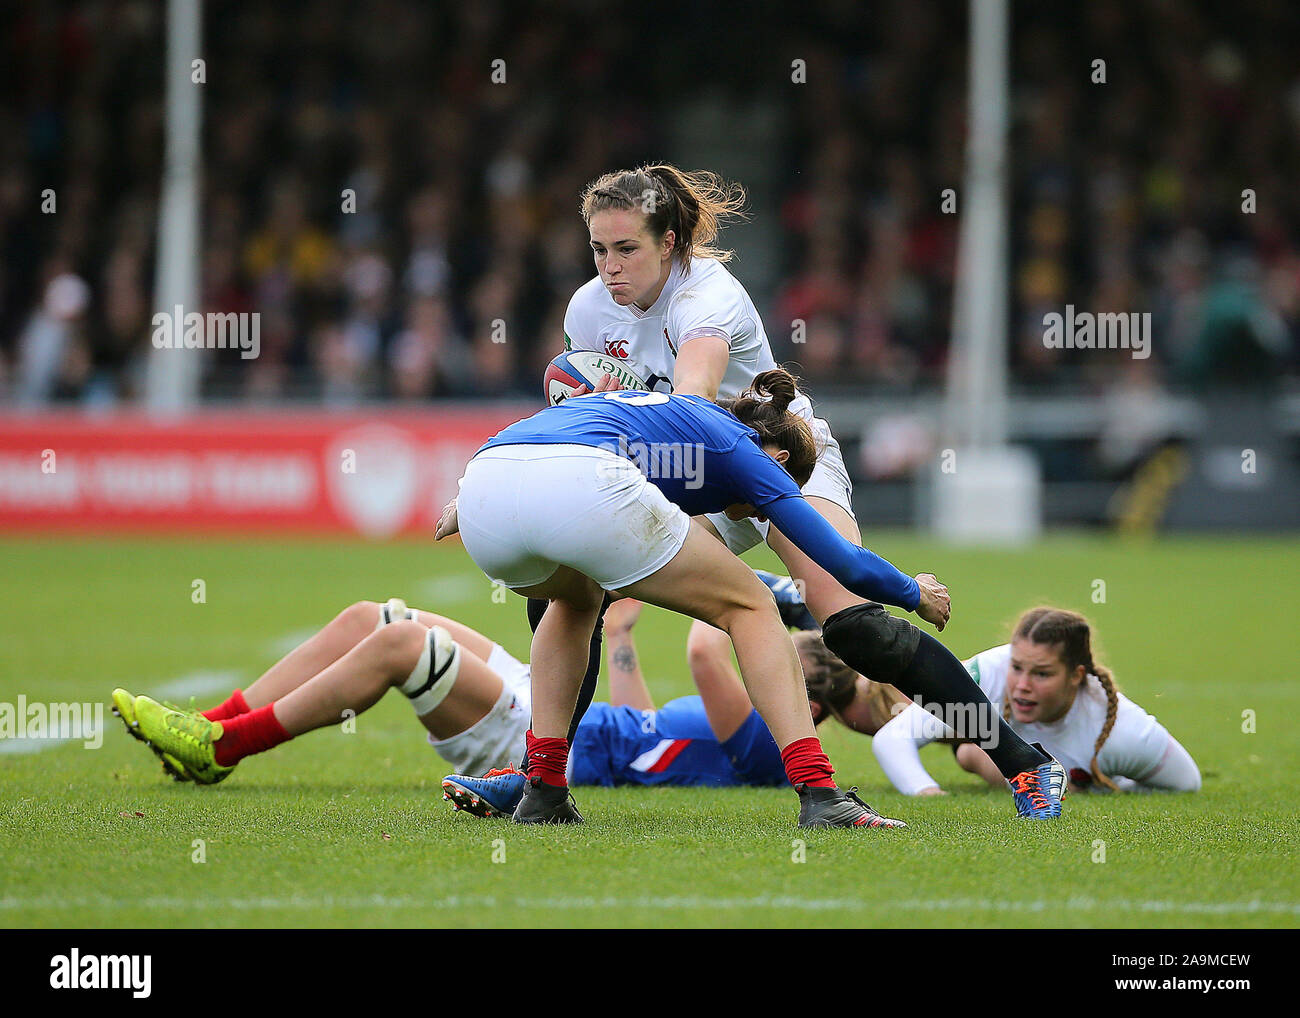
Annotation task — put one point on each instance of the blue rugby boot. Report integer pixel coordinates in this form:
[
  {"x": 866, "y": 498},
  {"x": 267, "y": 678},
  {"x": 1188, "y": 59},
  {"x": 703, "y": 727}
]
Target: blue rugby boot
[
  {"x": 1038, "y": 792},
  {"x": 495, "y": 794}
]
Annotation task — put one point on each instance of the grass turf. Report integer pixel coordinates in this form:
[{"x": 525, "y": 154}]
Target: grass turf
[{"x": 338, "y": 829}]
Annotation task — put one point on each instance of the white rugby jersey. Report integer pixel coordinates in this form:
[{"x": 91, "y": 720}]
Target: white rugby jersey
[
  {"x": 1137, "y": 744},
  {"x": 707, "y": 301}
]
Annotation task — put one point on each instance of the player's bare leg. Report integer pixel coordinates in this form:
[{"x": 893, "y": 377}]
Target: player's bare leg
[
  {"x": 560, "y": 650},
  {"x": 450, "y": 688},
  {"x": 340, "y": 636},
  {"x": 560, "y": 644},
  {"x": 385, "y": 659},
  {"x": 707, "y": 582},
  {"x": 347, "y": 629}
]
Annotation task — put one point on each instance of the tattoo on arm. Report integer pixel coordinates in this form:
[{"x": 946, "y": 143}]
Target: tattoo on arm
[{"x": 624, "y": 659}]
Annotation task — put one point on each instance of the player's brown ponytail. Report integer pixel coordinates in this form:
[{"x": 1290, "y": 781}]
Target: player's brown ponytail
[
  {"x": 765, "y": 407},
  {"x": 1056, "y": 627},
  {"x": 692, "y": 205}
]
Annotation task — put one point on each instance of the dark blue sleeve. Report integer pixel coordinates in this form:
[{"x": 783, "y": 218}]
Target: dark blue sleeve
[
  {"x": 763, "y": 483},
  {"x": 858, "y": 569}
]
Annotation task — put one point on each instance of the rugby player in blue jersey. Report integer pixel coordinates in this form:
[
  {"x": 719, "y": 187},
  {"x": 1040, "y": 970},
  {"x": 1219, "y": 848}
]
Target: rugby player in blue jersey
[
  {"x": 597, "y": 495},
  {"x": 663, "y": 300}
]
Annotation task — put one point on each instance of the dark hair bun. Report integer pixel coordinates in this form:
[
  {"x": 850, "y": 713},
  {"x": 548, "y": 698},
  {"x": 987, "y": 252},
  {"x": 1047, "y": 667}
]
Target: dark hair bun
[{"x": 777, "y": 385}]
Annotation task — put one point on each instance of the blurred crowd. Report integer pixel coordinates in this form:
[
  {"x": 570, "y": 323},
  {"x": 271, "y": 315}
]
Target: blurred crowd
[{"x": 394, "y": 213}]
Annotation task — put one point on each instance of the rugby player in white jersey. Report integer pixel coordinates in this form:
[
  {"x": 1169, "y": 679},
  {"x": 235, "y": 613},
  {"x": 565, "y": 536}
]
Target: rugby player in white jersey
[
  {"x": 1048, "y": 684},
  {"x": 664, "y": 301}
]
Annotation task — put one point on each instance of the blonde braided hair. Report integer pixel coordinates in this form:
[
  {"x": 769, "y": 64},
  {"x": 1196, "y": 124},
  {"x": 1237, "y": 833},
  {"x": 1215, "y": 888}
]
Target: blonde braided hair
[{"x": 1070, "y": 631}]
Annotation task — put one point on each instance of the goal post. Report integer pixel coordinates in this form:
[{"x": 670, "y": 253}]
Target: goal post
[
  {"x": 983, "y": 490},
  {"x": 171, "y": 375}
]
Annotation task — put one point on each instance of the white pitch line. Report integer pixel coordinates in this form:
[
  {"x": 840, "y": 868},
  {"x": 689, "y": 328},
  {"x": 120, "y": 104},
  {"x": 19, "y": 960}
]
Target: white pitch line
[
  {"x": 899, "y": 906},
  {"x": 198, "y": 683},
  {"x": 458, "y": 588},
  {"x": 26, "y": 745}
]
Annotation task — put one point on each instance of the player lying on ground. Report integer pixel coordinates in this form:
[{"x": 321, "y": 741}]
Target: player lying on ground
[
  {"x": 1048, "y": 686},
  {"x": 1065, "y": 701},
  {"x": 556, "y": 507},
  {"x": 1045, "y": 683},
  {"x": 476, "y": 712},
  {"x": 663, "y": 301}
]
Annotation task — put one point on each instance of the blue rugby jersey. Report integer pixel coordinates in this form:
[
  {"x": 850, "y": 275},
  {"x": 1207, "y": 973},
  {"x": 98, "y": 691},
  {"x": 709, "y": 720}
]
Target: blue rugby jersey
[
  {"x": 673, "y": 745},
  {"x": 703, "y": 459}
]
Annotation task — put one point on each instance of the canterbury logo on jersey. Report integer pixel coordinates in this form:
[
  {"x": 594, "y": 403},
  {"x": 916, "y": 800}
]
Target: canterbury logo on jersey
[{"x": 616, "y": 348}]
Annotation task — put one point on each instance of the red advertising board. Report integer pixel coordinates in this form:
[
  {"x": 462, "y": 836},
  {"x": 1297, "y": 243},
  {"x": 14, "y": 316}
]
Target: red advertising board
[{"x": 373, "y": 473}]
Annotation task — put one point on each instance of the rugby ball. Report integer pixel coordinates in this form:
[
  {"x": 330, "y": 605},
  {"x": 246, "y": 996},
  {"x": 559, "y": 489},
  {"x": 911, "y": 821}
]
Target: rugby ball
[{"x": 575, "y": 368}]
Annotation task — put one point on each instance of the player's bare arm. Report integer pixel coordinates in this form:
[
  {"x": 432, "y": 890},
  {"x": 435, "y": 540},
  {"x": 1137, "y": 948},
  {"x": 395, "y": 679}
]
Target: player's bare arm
[
  {"x": 700, "y": 366},
  {"x": 726, "y": 703},
  {"x": 626, "y": 683}
]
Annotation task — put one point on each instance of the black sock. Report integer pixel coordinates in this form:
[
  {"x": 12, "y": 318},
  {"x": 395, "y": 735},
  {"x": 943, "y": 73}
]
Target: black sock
[
  {"x": 935, "y": 675},
  {"x": 889, "y": 649},
  {"x": 587, "y": 692},
  {"x": 536, "y": 609}
]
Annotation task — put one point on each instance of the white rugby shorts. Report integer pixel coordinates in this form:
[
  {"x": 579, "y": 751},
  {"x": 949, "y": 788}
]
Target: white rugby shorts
[
  {"x": 497, "y": 738},
  {"x": 526, "y": 510}
]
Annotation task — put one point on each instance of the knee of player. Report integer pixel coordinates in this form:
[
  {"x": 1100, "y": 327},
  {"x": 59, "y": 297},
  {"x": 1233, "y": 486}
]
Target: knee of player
[
  {"x": 704, "y": 643},
  {"x": 359, "y": 618},
  {"x": 746, "y": 605},
  {"x": 755, "y": 595},
  {"x": 967, "y": 755},
  {"x": 400, "y": 644},
  {"x": 433, "y": 675}
]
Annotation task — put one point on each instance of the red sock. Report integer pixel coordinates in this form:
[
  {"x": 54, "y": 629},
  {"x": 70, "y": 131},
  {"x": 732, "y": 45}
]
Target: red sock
[
  {"x": 232, "y": 708},
  {"x": 548, "y": 758},
  {"x": 254, "y": 732},
  {"x": 806, "y": 763}
]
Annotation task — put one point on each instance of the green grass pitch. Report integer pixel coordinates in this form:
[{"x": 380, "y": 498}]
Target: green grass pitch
[{"x": 349, "y": 829}]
